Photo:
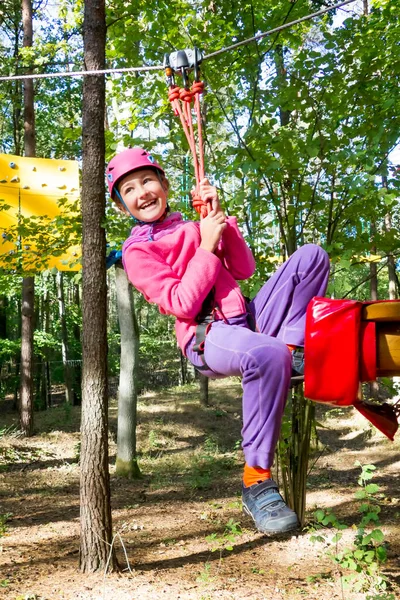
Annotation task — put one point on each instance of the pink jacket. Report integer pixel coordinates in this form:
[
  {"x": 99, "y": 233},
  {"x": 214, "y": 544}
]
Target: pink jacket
[{"x": 165, "y": 263}]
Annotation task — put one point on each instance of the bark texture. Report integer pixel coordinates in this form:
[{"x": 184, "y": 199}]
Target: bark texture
[
  {"x": 95, "y": 508},
  {"x": 26, "y": 389},
  {"x": 28, "y": 284}
]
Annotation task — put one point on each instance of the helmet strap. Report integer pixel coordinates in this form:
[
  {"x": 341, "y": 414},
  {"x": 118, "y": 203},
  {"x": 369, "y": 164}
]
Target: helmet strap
[
  {"x": 124, "y": 205},
  {"x": 136, "y": 221}
]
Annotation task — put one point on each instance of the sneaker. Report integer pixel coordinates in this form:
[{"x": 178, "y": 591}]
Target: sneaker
[
  {"x": 264, "y": 504},
  {"x": 298, "y": 362}
]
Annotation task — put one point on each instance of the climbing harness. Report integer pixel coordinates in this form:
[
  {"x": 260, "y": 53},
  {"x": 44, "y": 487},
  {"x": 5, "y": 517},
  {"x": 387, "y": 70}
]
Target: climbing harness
[
  {"x": 204, "y": 319},
  {"x": 181, "y": 98},
  {"x": 208, "y": 314}
]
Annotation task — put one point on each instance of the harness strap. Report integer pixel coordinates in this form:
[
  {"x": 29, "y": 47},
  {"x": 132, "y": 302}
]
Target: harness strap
[
  {"x": 205, "y": 320},
  {"x": 200, "y": 337}
]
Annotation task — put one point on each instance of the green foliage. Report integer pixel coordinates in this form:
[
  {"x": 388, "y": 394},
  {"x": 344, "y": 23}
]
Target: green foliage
[
  {"x": 205, "y": 576},
  {"x": 43, "y": 342},
  {"x": 209, "y": 463},
  {"x": 4, "y": 518},
  {"x": 38, "y": 238},
  {"x": 8, "y": 349},
  {"x": 299, "y": 129},
  {"x": 227, "y": 539},
  {"x": 360, "y": 563}
]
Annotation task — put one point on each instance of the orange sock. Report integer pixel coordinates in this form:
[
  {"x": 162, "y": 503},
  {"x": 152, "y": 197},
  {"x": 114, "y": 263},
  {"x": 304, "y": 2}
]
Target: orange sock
[{"x": 252, "y": 475}]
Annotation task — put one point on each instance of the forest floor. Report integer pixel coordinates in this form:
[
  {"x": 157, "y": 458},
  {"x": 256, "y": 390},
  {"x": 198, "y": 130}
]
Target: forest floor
[{"x": 181, "y": 524}]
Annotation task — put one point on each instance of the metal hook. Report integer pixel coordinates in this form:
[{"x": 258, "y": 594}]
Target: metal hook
[
  {"x": 169, "y": 72},
  {"x": 197, "y": 55}
]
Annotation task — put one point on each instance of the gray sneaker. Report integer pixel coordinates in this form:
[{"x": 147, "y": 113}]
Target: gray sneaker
[
  {"x": 298, "y": 362},
  {"x": 264, "y": 504}
]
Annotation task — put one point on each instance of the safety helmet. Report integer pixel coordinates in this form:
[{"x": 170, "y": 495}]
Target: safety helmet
[{"x": 127, "y": 161}]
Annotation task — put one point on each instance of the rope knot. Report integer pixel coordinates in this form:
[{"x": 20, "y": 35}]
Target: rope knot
[
  {"x": 173, "y": 93},
  {"x": 198, "y": 87},
  {"x": 185, "y": 95},
  {"x": 199, "y": 206}
]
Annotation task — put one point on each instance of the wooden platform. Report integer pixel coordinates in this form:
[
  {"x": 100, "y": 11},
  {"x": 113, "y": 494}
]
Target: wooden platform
[{"x": 386, "y": 315}]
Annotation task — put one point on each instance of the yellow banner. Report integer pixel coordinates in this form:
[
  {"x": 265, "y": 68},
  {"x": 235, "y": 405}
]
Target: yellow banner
[{"x": 39, "y": 189}]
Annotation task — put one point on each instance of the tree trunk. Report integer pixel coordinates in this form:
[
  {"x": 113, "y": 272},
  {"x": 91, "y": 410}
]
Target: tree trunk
[
  {"x": 28, "y": 284},
  {"x": 17, "y": 387},
  {"x": 373, "y": 386},
  {"x": 95, "y": 513},
  {"x": 293, "y": 451},
  {"x": 183, "y": 370},
  {"x": 287, "y": 207},
  {"x": 390, "y": 258},
  {"x": 373, "y": 286},
  {"x": 203, "y": 381},
  {"x": 38, "y": 391},
  {"x": 46, "y": 365},
  {"x": 26, "y": 390},
  {"x": 391, "y": 265},
  {"x": 126, "y": 464},
  {"x": 64, "y": 338},
  {"x": 3, "y": 317},
  {"x": 77, "y": 372}
]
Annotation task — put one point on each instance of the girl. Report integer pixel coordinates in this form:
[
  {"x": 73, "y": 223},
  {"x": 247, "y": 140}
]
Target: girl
[{"x": 189, "y": 269}]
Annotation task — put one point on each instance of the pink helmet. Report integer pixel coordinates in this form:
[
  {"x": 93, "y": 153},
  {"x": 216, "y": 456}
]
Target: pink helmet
[{"x": 127, "y": 161}]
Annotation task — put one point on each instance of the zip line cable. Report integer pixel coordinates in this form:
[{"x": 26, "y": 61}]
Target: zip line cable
[
  {"x": 161, "y": 67},
  {"x": 276, "y": 29}
]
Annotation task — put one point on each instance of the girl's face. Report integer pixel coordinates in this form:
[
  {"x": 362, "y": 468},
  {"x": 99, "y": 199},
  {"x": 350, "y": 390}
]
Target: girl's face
[{"x": 145, "y": 194}]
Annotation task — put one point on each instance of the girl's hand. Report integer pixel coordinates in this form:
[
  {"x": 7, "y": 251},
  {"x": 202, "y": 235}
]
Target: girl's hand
[
  {"x": 208, "y": 193},
  {"x": 211, "y": 229}
]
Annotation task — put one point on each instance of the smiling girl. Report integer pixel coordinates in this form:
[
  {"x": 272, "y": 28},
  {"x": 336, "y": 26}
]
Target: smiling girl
[{"x": 190, "y": 270}]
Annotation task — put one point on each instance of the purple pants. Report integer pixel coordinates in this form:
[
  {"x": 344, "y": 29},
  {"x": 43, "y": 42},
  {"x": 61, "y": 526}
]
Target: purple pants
[{"x": 262, "y": 358}]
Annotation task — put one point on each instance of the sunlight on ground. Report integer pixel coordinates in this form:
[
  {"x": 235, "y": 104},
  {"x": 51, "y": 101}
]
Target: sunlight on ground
[{"x": 181, "y": 524}]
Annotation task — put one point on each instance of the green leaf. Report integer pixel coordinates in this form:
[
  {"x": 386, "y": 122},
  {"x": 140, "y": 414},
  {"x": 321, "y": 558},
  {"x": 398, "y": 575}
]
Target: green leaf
[
  {"x": 369, "y": 556},
  {"x": 313, "y": 151},
  {"x": 381, "y": 553},
  {"x": 377, "y": 535},
  {"x": 319, "y": 515},
  {"x": 352, "y": 565},
  {"x": 372, "y": 488}
]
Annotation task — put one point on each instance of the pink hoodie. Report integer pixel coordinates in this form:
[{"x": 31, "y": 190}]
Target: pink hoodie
[{"x": 165, "y": 263}]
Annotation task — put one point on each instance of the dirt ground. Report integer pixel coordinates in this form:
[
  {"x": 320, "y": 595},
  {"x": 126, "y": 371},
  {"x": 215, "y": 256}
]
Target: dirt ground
[{"x": 179, "y": 530}]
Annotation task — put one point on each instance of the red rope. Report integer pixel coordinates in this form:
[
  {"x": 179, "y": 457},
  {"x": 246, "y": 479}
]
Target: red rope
[{"x": 181, "y": 100}]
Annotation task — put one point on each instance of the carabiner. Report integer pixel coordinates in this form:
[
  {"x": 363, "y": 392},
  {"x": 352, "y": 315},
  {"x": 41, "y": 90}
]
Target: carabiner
[{"x": 169, "y": 72}]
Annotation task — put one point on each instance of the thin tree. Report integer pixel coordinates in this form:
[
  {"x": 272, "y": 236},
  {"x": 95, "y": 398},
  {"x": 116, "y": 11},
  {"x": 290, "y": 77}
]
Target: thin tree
[
  {"x": 96, "y": 525},
  {"x": 64, "y": 338},
  {"x": 28, "y": 284},
  {"x": 77, "y": 372},
  {"x": 203, "y": 382},
  {"x": 126, "y": 463},
  {"x": 390, "y": 258}
]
